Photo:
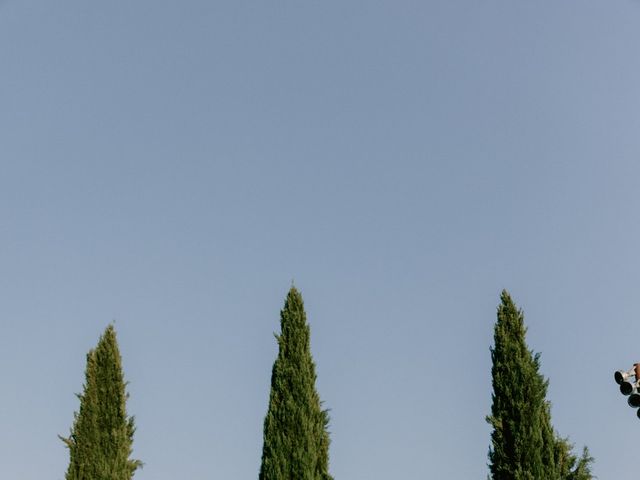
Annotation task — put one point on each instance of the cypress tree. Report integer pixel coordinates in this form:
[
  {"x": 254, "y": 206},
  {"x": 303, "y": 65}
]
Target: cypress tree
[
  {"x": 524, "y": 445},
  {"x": 101, "y": 438},
  {"x": 296, "y": 440}
]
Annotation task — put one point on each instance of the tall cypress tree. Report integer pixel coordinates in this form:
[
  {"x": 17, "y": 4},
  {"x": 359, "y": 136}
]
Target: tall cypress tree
[
  {"x": 524, "y": 445},
  {"x": 101, "y": 438},
  {"x": 296, "y": 440}
]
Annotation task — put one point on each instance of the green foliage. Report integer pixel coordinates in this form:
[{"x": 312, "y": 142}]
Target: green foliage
[
  {"x": 101, "y": 438},
  {"x": 570, "y": 466},
  {"x": 524, "y": 445},
  {"x": 296, "y": 440}
]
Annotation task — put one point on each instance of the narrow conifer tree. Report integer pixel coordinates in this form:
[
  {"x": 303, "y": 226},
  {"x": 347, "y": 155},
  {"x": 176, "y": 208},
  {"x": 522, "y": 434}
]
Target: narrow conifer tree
[
  {"x": 101, "y": 438},
  {"x": 296, "y": 440},
  {"x": 524, "y": 445}
]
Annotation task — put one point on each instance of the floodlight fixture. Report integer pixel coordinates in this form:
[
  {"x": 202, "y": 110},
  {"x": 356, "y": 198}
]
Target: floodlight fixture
[
  {"x": 627, "y": 387},
  {"x": 629, "y": 382},
  {"x": 634, "y": 398},
  {"x": 621, "y": 376}
]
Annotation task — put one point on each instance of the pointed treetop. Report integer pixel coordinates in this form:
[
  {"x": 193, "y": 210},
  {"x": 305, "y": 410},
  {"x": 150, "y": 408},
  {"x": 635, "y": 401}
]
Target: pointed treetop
[
  {"x": 101, "y": 437},
  {"x": 524, "y": 445},
  {"x": 296, "y": 439}
]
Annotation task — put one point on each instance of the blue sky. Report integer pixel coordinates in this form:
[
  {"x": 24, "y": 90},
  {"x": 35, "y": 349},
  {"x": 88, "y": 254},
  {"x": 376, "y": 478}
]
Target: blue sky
[{"x": 174, "y": 166}]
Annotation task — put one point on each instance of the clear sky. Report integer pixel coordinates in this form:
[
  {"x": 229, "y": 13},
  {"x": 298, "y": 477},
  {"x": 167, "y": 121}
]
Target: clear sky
[{"x": 174, "y": 166}]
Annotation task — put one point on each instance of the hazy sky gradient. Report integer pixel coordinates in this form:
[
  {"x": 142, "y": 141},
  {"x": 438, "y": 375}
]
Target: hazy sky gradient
[{"x": 174, "y": 166}]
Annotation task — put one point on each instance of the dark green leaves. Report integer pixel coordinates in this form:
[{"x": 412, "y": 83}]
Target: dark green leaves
[
  {"x": 524, "y": 445},
  {"x": 101, "y": 438},
  {"x": 296, "y": 441}
]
